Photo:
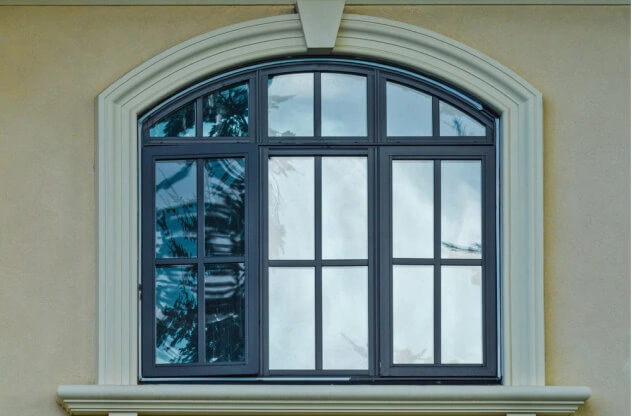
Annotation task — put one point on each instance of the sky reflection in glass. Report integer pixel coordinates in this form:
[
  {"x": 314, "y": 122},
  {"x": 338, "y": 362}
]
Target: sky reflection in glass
[
  {"x": 291, "y": 208},
  {"x": 454, "y": 122},
  {"x": 345, "y": 207},
  {"x": 345, "y": 318},
  {"x": 461, "y": 315},
  {"x": 291, "y": 318},
  {"x": 344, "y": 105},
  {"x": 413, "y": 208},
  {"x": 461, "y": 209},
  {"x": 408, "y": 111},
  {"x": 291, "y": 105},
  {"x": 413, "y": 315}
]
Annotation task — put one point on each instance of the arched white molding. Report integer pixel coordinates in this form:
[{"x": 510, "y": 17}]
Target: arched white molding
[{"x": 519, "y": 104}]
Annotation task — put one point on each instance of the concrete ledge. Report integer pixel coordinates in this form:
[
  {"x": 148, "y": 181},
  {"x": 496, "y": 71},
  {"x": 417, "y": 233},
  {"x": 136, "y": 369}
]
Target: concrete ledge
[{"x": 319, "y": 399}]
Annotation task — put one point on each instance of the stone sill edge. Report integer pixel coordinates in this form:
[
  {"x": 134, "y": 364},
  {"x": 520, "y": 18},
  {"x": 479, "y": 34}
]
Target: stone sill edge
[{"x": 310, "y": 399}]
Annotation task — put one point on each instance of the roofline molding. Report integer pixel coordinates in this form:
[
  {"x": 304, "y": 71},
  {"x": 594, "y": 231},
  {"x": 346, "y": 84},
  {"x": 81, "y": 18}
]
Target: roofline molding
[
  {"x": 292, "y": 2},
  {"x": 518, "y": 103}
]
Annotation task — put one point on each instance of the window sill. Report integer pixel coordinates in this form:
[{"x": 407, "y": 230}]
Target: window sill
[{"x": 309, "y": 399}]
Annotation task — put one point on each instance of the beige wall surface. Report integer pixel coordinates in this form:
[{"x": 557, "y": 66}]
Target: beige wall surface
[{"x": 54, "y": 61}]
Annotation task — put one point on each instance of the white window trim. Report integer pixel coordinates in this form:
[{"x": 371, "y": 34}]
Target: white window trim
[{"x": 521, "y": 239}]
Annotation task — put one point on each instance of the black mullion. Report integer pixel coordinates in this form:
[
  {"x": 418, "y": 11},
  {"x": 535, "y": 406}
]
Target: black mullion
[
  {"x": 436, "y": 131},
  {"x": 263, "y": 251},
  {"x": 345, "y": 262},
  {"x": 437, "y": 261},
  {"x": 200, "y": 262},
  {"x": 318, "y": 272},
  {"x": 199, "y": 108},
  {"x": 317, "y": 105},
  {"x": 373, "y": 251}
]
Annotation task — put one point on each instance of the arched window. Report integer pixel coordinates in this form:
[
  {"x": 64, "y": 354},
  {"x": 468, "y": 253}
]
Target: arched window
[{"x": 328, "y": 219}]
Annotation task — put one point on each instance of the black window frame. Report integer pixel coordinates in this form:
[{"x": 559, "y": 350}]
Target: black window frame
[{"x": 379, "y": 150}]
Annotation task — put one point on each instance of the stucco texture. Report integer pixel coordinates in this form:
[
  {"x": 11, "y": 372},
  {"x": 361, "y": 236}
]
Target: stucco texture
[{"x": 54, "y": 61}]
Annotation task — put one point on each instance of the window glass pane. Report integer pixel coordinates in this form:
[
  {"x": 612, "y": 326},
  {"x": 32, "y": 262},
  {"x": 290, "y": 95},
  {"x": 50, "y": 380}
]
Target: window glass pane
[
  {"x": 454, "y": 122},
  {"x": 224, "y": 297},
  {"x": 226, "y": 112},
  {"x": 345, "y": 318},
  {"x": 413, "y": 315},
  {"x": 291, "y": 208},
  {"x": 345, "y": 207},
  {"x": 180, "y": 123},
  {"x": 176, "y": 315},
  {"x": 408, "y": 111},
  {"x": 461, "y": 315},
  {"x": 224, "y": 206},
  {"x": 176, "y": 209},
  {"x": 413, "y": 208},
  {"x": 291, "y": 105},
  {"x": 291, "y": 318},
  {"x": 344, "y": 111},
  {"x": 461, "y": 209}
]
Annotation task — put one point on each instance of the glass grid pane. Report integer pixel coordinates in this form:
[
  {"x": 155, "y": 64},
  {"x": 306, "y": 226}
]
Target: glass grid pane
[
  {"x": 344, "y": 208},
  {"x": 291, "y": 105},
  {"x": 413, "y": 315},
  {"x": 180, "y": 123},
  {"x": 176, "y": 315},
  {"x": 345, "y": 318},
  {"x": 461, "y": 214},
  {"x": 226, "y": 112},
  {"x": 408, "y": 111},
  {"x": 344, "y": 105},
  {"x": 461, "y": 315},
  {"x": 225, "y": 312},
  {"x": 176, "y": 209},
  {"x": 291, "y": 318},
  {"x": 291, "y": 208}
]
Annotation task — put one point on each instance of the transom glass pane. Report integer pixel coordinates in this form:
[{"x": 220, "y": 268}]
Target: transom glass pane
[
  {"x": 226, "y": 112},
  {"x": 454, "y": 122},
  {"x": 176, "y": 209},
  {"x": 180, "y": 123},
  {"x": 344, "y": 111},
  {"x": 461, "y": 315},
  {"x": 225, "y": 305},
  {"x": 291, "y": 318},
  {"x": 461, "y": 209},
  {"x": 176, "y": 315},
  {"x": 291, "y": 208},
  {"x": 291, "y": 105},
  {"x": 408, "y": 111},
  {"x": 224, "y": 206},
  {"x": 344, "y": 208},
  {"x": 345, "y": 318}
]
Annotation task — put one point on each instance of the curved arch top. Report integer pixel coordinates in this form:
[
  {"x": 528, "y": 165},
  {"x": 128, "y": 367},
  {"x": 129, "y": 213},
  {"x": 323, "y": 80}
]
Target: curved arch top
[{"x": 518, "y": 103}]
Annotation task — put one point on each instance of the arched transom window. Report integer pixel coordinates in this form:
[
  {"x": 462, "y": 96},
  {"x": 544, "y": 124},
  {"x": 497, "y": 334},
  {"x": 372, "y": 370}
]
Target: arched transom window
[{"x": 316, "y": 219}]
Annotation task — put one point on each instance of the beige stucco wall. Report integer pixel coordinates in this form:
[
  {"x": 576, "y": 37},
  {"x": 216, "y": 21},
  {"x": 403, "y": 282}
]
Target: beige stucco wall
[{"x": 54, "y": 61}]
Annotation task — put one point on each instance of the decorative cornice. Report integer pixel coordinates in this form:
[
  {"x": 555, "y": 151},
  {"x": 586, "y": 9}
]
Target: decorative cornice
[
  {"x": 290, "y": 2},
  {"x": 310, "y": 399}
]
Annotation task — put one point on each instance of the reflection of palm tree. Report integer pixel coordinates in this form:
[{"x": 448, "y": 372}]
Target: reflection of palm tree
[
  {"x": 179, "y": 121},
  {"x": 176, "y": 328},
  {"x": 227, "y": 111},
  {"x": 176, "y": 224}
]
